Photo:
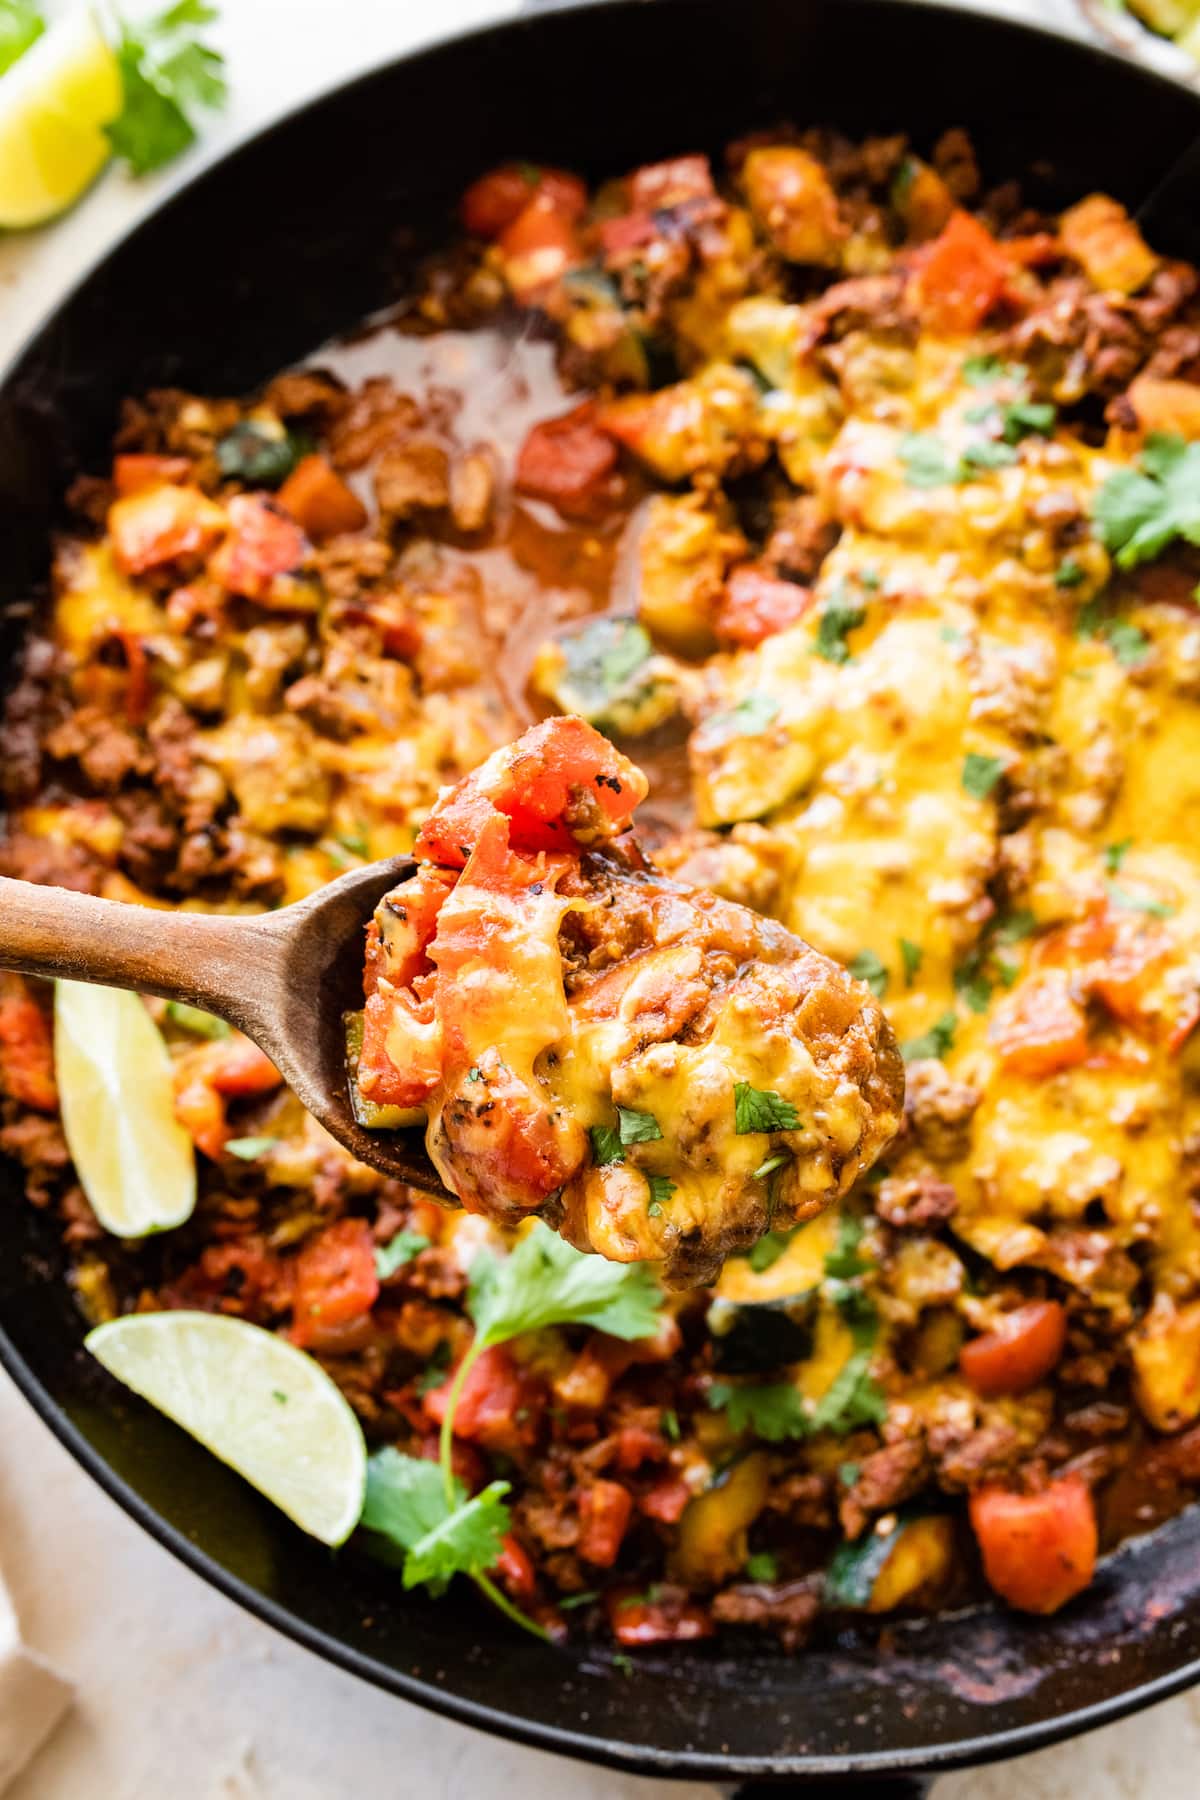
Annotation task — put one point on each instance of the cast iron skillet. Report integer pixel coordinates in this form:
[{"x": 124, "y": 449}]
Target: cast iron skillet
[{"x": 289, "y": 239}]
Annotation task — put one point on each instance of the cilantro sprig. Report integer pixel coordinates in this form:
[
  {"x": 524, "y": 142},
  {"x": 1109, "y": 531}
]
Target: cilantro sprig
[
  {"x": 418, "y": 1512},
  {"x": 761, "y": 1109},
  {"x": 772, "y": 1412},
  {"x": 167, "y": 72},
  {"x": 1138, "y": 512}
]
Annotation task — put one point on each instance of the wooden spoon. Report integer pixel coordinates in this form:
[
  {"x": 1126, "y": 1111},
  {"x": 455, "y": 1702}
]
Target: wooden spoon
[{"x": 284, "y": 978}]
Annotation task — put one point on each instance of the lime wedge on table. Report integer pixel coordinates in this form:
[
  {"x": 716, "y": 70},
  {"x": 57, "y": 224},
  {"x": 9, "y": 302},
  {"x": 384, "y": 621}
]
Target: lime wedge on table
[
  {"x": 254, "y": 1400},
  {"x": 134, "y": 1159},
  {"x": 54, "y": 103}
]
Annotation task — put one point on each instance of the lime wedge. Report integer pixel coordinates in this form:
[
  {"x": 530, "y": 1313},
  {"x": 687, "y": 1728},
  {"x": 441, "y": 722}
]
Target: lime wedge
[
  {"x": 254, "y": 1400},
  {"x": 54, "y": 103},
  {"x": 134, "y": 1159}
]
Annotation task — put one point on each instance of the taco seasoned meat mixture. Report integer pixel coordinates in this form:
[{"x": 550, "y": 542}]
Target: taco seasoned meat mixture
[{"x": 859, "y": 505}]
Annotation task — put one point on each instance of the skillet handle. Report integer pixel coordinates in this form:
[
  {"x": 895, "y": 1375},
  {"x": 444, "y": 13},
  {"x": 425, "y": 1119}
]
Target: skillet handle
[{"x": 855, "y": 1787}]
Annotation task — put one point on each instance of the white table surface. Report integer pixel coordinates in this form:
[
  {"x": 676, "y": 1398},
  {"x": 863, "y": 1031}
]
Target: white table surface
[{"x": 178, "y": 1691}]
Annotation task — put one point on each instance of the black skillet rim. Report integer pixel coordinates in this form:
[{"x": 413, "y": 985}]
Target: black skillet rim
[{"x": 636, "y": 1758}]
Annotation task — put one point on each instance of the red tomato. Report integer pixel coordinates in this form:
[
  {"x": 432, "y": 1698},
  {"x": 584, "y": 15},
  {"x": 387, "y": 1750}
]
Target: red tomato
[
  {"x": 1019, "y": 1353},
  {"x": 335, "y": 1280},
  {"x": 960, "y": 276},
  {"x": 264, "y": 542},
  {"x": 26, "y": 1047},
  {"x": 319, "y": 500},
  {"x": 498, "y": 1404},
  {"x": 605, "y": 1509},
  {"x": 158, "y": 525},
  {"x": 631, "y": 231},
  {"x": 1039, "y": 1550},
  {"x": 394, "y": 1020},
  {"x": 636, "y": 1445},
  {"x": 137, "y": 686},
  {"x": 132, "y": 473},
  {"x": 236, "y": 1066},
  {"x": 494, "y": 201},
  {"x": 755, "y": 606},
  {"x": 636, "y": 1621},
  {"x": 199, "y": 1109},
  {"x": 513, "y": 1569},
  {"x": 667, "y": 1500},
  {"x": 540, "y": 245},
  {"x": 668, "y": 183},
  {"x": 567, "y": 460},
  {"x": 1040, "y": 1029}
]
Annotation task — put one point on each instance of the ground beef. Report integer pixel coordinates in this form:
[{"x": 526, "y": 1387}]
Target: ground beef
[
  {"x": 938, "y": 1109},
  {"x": 107, "y": 752},
  {"x": 914, "y": 1202},
  {"x": 884, "y": 1479},
  {"x": 802, "y": 537},
  {"x": 789, "y": 1610},
  {"x": 29, "y": 712}
]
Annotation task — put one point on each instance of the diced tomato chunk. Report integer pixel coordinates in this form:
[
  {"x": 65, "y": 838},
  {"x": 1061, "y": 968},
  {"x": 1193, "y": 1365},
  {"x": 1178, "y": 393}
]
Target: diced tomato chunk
[
  {"x": 633, "y": 1620},
  {"x": 636, "y": 1445},
  {"x": 199, "y": 1110},
  {"x": 158, "y": 525},
  {"x": 540, "y": 245},
  {"x": 629, "y": 231},
  {"x": 26, "y": 1047},
  {"x": 336, "y": 1281},
  {"x": 667, "y": 1500},
  {"x": 756, "y": 605},
  {"x": 236, "y": 1066},
  {"x": 132, "y": 473},
  {"x": 1039, "y": 1550},
  {"x": 498, "y": 1404},
  {"x": 207, "y": 1076},
  {"x": 494, "y": 201},
  {"x": 320, "y": 501},
  {"x": 668, "y": 183},
  {"x": 567, "y": 460},
  {"x": 1019, "y": 1353},
  {"x": 513, "y": 1569},
  {"x": 1041, "y": 1029},
  {"x": 264, "y": 543},
  {"x": 400, "y": 1062},
  {"x": 960, "y": 276},
  {"x": 605, "y": 1510}
]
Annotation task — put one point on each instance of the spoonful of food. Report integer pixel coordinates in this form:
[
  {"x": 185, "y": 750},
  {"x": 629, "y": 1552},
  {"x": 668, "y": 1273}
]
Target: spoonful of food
[{"x": 526, "y": 1019}]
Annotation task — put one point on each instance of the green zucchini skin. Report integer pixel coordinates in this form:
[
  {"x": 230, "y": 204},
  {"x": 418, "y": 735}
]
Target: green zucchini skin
[{"x": 751, "y": 1337}]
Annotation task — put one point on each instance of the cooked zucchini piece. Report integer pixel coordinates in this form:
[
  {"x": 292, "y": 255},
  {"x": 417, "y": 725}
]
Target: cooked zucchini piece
[
  {"x": 370, "y": 1116},
  {"x": 885, "y": 1570},
  {"x": 608, "y": 674},
  {"x": 764, "y": 1312},
  {"x": 258, "y": 451},
  {"x": 712, "y": 1531}
]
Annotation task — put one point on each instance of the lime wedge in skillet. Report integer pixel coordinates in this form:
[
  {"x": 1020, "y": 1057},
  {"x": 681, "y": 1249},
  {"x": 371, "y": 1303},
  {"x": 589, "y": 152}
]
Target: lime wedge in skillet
[
  {"x": 55, "y": 101},
  {"x": 134, "y": 1159},
  {"x": 254, "y": 1400}
]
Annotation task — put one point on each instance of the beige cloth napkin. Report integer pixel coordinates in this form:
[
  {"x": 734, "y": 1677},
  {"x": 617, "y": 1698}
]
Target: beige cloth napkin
[{"x": 33, "y": 1697}]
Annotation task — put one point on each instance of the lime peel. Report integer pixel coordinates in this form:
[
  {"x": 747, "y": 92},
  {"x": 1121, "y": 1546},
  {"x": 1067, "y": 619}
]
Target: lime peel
[{"x": 257, "y": 1402}]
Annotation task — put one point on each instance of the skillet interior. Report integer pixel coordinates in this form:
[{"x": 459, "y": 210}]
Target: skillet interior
[{"x": 291, "y": 239}]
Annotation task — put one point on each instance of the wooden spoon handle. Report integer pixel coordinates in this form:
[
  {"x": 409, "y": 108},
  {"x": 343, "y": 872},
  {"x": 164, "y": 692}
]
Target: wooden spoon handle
[{"x": 207, "y": 959}]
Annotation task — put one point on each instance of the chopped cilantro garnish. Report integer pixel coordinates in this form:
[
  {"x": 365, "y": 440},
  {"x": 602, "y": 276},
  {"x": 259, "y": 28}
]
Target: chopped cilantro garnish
[
  {"x": 661, "y": 1190},
  {"x": 1128, "y": 643},
  {"x": 1115, "y": 854},
  {"x": 913, "y": 956},
  {"x": 402, "y": 1248},
  {"x": 1142, "y": 903},
  {"x": 837, "y": 618},
  {"x": 249, "y": 1149},
  {"x": 1015, "y": 926},
  {"x": 867, "y": 967},
  {"x": 637, "y": 1127},
  {"x": 752, "y": 714},
  {"x": 989, "y": 454},
  {"x": 982, "y": 371},
  {"x": 769, "y": 1165},
  {"x": 981, "y": 773},
  {"x": 1069, "y": 573},
  {"x": 670, "y": 1424},
  {"x": 570, "y": 1601},
  {"x": 843, "y": 1262},
  {"x": 971, "y": 984},
  {"x": 762, "y": 1566},
  {"x": 1140, "y": 511},
  {"x": 768, "y": 1250},
  {"x": 772, "y": 1413},
  {"x": 1024, "y": 418},
  {"x": 927, "y": 462},
  {"x": 934, "y": 1042},
  {"x": 166, "y": 72},
  {"x": 606, "y": 1145},
  {"x": 759, "y": 1109}
]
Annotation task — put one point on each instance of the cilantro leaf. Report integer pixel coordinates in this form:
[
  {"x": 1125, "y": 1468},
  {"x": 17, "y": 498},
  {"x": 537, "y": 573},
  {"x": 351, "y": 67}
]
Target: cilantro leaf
[
  {"x": 752, "y": 714},
  {"x": 21, "y": 24},
  {"x": 854, "y": 1397},
  {"x": 444, "y": 1535},
  {"x": 759, "y": 1109},
  {"x": 988, "y": 454},
  {"x": 606, "y": 1145},
  {"x": 1025, "y": 418},
  {"x": 661, "y": 1190},
  {"x": 913, "y": 956},
  {"x": 670, "y": 1424},
  {"x": 981, "y": 773},
  {"x": 927, "y": 462},
  {"x": 867, "y": 967},
  {"x": 1015, "y": 926},
  {"x": 165, "y": 71},
  {"x": 545, "y": 1282},
  {"x": 1069, "y": 573},
  {"x": 934, "y": 1042},
  {"x": 637, "y": 1127},
  {"x": 403, "y": 1247},
  {"x": 249, "y": 1149},
  {"x": 1128, "y": 643},
  {"x": 1142, "y": 903},
  {"x": 768, "y": 1250},
  {"x": 982, "y": 371},
  {"x": 1115, "y": 854},
  {"x": 762, "y": 1566},
  {"x": 771, "y": 1413},
  {"x": 837, "y": 617},
  {"x": 1140, "y": 511},
  {"x": 843, "y": 1262},
  {"x": 971, "y": 983}
]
